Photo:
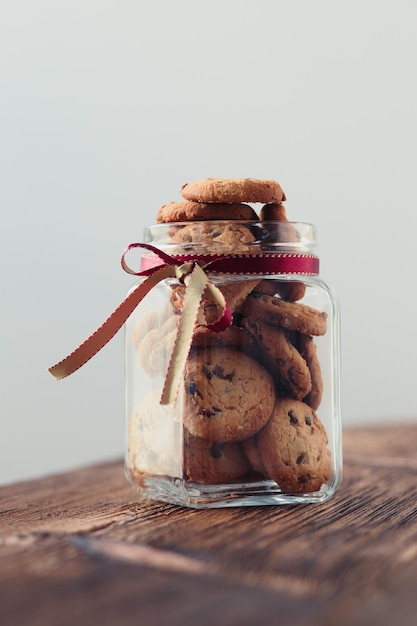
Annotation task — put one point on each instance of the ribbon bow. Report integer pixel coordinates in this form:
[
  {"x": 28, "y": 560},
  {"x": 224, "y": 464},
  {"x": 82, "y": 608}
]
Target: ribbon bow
[
  {"x": 192, "y": 271},
  {"x": 196, "y": 281}
]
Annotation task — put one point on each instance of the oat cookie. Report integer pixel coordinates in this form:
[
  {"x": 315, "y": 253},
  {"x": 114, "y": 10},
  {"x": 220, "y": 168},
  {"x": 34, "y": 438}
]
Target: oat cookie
[
  {"x": 198, "y": 211},
  {"x": 233, "y": 190},
  {"x": 228, "y": 395},
  {"x": 213, "y": 463},
  {"x": 288, "y": 368},
  {"x": 290, "y": 315},
  {"x": 293, "y": 447}
]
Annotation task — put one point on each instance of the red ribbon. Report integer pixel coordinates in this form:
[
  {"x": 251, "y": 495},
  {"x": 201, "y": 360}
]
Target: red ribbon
[
  {"x": 236, "y": 264},
  {"x": 188, "y": 269}
]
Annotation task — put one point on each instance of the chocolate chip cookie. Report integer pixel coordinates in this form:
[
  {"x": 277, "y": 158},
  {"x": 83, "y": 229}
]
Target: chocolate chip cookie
[
  {"x": 290, "y": 315},
  {"x": 234, "y": 292},
  {"x": 198, "y": 211},
  {"x": 228, "y": 395},
  {"x": 282, "y": 359},
  {"x": 293, "y": 447},
  {"x": 213, "y": 463},
  {"x": 209, "y": 237}
]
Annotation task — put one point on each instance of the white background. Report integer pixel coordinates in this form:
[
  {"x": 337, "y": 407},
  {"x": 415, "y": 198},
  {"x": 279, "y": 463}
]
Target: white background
[{"x": 109, "y": 106}]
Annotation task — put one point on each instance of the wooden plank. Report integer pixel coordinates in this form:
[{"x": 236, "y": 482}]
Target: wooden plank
[
  {"x": 81, "y": 547},
  {"x": 61, "y": 586}
]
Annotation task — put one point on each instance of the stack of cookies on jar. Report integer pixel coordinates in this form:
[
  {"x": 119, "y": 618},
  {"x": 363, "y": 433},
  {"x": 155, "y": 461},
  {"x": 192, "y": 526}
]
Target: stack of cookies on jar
[{"x": 250, "y": 393}]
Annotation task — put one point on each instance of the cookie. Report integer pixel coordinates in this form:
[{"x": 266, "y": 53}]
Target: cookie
[
  {"x": 149, "y": 321},
  {"x": 154, "y": 438},
  {"x": 213, "y": 463},
  {"x": 176, "y": 297},
  {"x": 198, "y": 211},
  {"x": 210, "y": 237},
  {"x": 274, "y": 211},
  {"x": 285, "y": 289},
  {"x": 308, "y": 350},
  {"x": 233, "y": 190},
  {"x": 251, "y": 451},
  {"x": 228, "y": 395},
  {"x": 288, "y": 368},
  {"x": 147, "y": 351},
  {"x": 279, "y": 312},
  {"x": 232, "y": 337},
  {"x": 293, "y": 447},
  {"x": 170, "y": 324},
  {"x": 156, "y": 346},
  {"x": 234, "y": 292}
]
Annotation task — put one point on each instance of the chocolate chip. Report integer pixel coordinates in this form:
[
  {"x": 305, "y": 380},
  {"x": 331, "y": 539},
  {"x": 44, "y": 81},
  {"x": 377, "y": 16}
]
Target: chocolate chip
[
  {"x": 216, "y": 450},
  {"x": 293, "y": 417},
  {"x": 301, "y": 458},
  {"x": 220, "y": 373},
  {"x": 307, "y": 420},
  {"x": 207, "y": 372},
  {"x": 303, "y": 479},
  {"x": 192, "y": 387}
]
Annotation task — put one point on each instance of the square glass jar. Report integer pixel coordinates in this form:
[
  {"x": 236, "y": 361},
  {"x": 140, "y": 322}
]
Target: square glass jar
[{"x": 257, "y": 417}]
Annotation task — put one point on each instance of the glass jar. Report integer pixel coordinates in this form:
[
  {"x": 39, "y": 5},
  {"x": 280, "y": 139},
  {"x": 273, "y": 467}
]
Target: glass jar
[{"x": 256, "y": 417}]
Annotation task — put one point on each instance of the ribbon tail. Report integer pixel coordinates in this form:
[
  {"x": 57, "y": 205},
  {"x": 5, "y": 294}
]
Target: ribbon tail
[
  {"x": 196, "y": 284},
  {"x": 109, "y": 328}
]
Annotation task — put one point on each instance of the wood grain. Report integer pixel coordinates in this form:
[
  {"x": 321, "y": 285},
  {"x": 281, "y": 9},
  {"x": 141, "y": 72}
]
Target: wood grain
[{"x": 81, "y": 547}]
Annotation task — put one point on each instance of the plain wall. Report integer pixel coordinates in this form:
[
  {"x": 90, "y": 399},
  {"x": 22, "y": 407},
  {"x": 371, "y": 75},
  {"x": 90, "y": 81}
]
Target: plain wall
[{"x": 108, "y": 106}]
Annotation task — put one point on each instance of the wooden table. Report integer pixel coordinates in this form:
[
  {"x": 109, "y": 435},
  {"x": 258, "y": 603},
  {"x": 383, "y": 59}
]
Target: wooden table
[{"x": 81, "y": 549}]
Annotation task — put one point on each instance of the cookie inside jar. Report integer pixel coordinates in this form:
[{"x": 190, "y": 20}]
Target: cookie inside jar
[{"x": 257, "y": 415}]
